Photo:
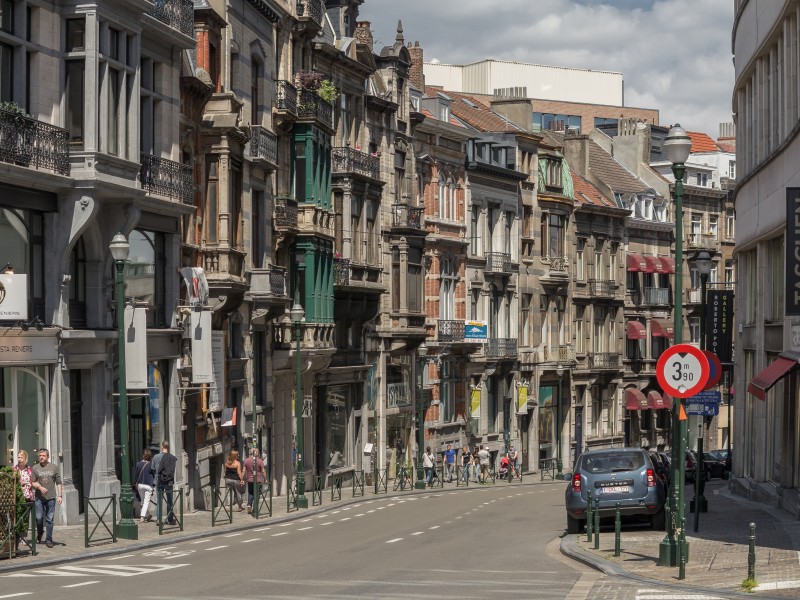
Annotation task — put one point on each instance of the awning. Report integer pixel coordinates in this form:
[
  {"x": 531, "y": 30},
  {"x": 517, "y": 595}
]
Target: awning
[
  {"x": 653, "y": 264},
  {"x": 656, "y": 401},
  {"x": 668, "y": 263},
  {"x": 662, "y": 328},
  {"x": 635, "y": 331},
  {"x": 635, "y": 262},
  {"x": 761, "y": 383},
  {"x": 635, "y": 400}
]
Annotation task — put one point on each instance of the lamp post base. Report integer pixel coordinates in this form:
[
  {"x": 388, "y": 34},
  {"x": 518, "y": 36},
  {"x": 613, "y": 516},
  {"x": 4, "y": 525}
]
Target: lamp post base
[
  {"x": 301, "y": 501},
  {"x": 667, "y": 553},
  {"x": 127, "y": 529}
]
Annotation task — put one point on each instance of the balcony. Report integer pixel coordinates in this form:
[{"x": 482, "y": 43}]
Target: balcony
[
  {"x": 178, "y": 14},
  {"x": 311, "y": 9},
  {"x": 501, "y": 348},
  {"x": 564, "y": 354},
  {"x": 605, "y": 360},
  {"x": 223, "y": 263},
  {"x": 341, "y": 271},
  {"x": 602, "y": 288},
  {"x": 263, "y": 145},
  {"x": 407, "y": 217},
  {"x": 31, "y": 143},
  {"x": 269, "y": 282},
  {"x": 285, "y": 213},
  {"x": 311, "y": 106},
  {"x": 448, "y": 330},
  {"x": 694, "y": 296},
  {"x": 167, "y": 178},
  {"x": 701, "y": 241},
  {"x": 346, "y": 160},
  {"x": 286, "y": 97},
  {"x": 555, "y": 270},
  {"x": 656, "y": 296},
  {"x": 498, "y": 262}
]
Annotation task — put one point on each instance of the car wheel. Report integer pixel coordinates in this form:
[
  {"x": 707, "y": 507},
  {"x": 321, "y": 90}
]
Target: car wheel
[
  {"x": 573, "y": 525},
  {"x": 658, "y": 521}
]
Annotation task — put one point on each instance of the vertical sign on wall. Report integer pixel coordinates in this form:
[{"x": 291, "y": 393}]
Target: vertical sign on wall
[
  {"x": 216, "y": 399},
  {"x": 522, "y": 400},
  {"x": 792, "y": 251},
  {"x": 202, "y": 363},
  {"x": 719, "y": 324},
  {"x": 135, "y": 348}
]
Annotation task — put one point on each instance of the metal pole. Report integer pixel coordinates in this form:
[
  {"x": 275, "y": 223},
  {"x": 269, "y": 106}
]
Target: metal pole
[
  {"x": 701, "y": 505},
  {"x": 597, "y": 523},
  {"x": 728, "y": 461},
  {"x": 589, "y": 517},
  {"x": 126, "y": 528},
  {"x": 617, "y": 531},
  {"x": 300, "y": 499},
  {"x": 420, "y": 483},
  {"x": 751, "y": 553},
  {"x": 559, "y": 464}
]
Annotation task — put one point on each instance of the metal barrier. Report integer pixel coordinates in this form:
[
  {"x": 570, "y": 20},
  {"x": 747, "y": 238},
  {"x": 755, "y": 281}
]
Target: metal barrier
[
  {"x": 403, "y": 479},
  {"x": 462, "y": 475},
  {"x": 547, "y": 469},
  {"x": 172, "y": 497},
  {"x": 383, "y": 481},
  {"x": 336, "y": 487},
  {"x": 316, "y": 495},
  {"x": 218, "y": 505},
  {"x": 291, "y": 495},
  {"x": 358, "y": 483},
  {"x": 100, "y": 510},
  {"x": 262, "y": 497},
  {"x": 13, "y": 532}
]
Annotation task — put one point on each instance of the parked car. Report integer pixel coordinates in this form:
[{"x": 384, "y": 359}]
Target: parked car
[
  {"x": 624, "y": 475},
  {"x": 691, "y": 466},
  {"x": 667, "y": 460},
  {"x": 723, "y": 455},
  {"x": 714, "y": 466},
  {"x": 662, "y": 469}
]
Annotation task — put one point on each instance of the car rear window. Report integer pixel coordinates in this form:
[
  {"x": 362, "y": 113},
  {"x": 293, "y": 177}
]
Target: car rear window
[{"x": 612, "y": 462}]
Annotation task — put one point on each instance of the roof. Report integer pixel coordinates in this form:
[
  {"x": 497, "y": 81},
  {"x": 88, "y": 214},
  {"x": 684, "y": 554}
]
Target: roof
[
  {"x": 727, "y": 144},
  {"x": 702, "y": 142},
  {"x": 587, "y": 193},
  {"x": 612, "y": 173},
  {"x": 474, "y": 112}
]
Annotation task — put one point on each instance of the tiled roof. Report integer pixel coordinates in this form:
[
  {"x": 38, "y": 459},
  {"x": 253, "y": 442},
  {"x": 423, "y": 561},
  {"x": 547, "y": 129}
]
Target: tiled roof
[
  {"x": 586, "y": 193},
  {"x": 454, "y": 122},
  {"x": 474, "y": 112},
  {"x": 702, "y": 142},
  {"x": 727, "y": 144},
  {"x": 612, "y": 173}
]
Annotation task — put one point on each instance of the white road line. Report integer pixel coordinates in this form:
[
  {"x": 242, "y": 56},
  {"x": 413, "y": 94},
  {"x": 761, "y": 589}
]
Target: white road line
[
  {"x": 418, "y": 533},
  {"x": 348, "y": 508},
  {"x": 380, "y": 508},
  {"x": 216, "y": 548},
  {"x": 250, "y": 540},
  {"x": 447, "y": 522},
  {"x": 304, "y": 528},
  {"x": 778, "y": 585},
  {"x": 345, "y": 519},
  {"x": 119, "y": 557},
  {"x": 260, "y": 530},
  {"x": 336, "y": 512},
  {"x": 369, "y": 512},
  {"x": 435, "y": 527},
  {"x": 461, "y": 517},
  {"x": 17, "y": 595},
  {"x": 116, "y": 570},
  {"x": 394, "y": 540},
  {"x": 82, "y": 583},
  {"x": 233, "y": 534},
  {"x": 328, "y": 523},
  {"x": 285, "y": 524},
  {"x": 663, "y": 596},
  {"x": 360, "y": 514},
  {"x": 282, "y": 533},
  {"x": 388, "y": 505},
  {"x": 306, "y": 520}
]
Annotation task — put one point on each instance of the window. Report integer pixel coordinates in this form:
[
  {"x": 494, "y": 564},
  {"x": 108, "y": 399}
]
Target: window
[
  {"x": 145, "y": 273},
  {"x": 697, "y": 224},
  {"x": 448, "y": 389},
  {"x": 596, "y": 400},
  {"x": 255, "y": 87},
  {"x": 113, "y": 84},
  {"x": 474, "y": 235},
  {"x": 730, "y": 224},
  {"x": 212, "y": 206},
  {"x": 580, "y": 262},
  {"x": 544, "y": 305},
  {"x": 371, "y": 233},
  {"x": 258, "y": 246},
  {"x": 599, "y": 341},
  {"x": 553, "y": 179},
  {"x": 748, "y": 275},
  {"x": 355, "y": 229},
  {"x": 580, "y": 346},
  {"x": 775, "y": 282},
  {"x": 6, "y": 73},
  {"x": 612, "y": 263},
  {"x": 552, "y": 236},
  {"x": 509, "y": 225},
  {"x": 713, "y": 229},
  {"x": 694, "y": 329},
  {"x": 645, "y": 420},
  {"x": 447, "y": 291},
  {"x": 442, "y": 196},
  {"x": 598, "y": 121},
  {"x": 415, "y": 279},
  {"x": 76, "y": 35},
  {"x": 598, "y": 260},
  {"x": 444, "y": 113},
  {"x": 732, "y": 169},
  {"x": 74, "y": 102},
  {"x": 702, "y": 179},
  {"x": 474, "y": 304},
  {"x": 7, "y": 15},
  {"x": 344, "y": 119},
  {"x": 22, "y": 246},
  {"x": 399, "y": 176},
  {"x": 729, "y": 275},
  {"x": 491, "y": 405},
  {"x": 337, "y": 407},
  {"x": 77, "y": 285},
  {"x": 526, "y": 319}
]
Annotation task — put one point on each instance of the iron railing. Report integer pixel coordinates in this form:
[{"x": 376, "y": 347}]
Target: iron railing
[
  {"x": 311, "y": 106},
  {"x": 350, "y": 160},
  {"x": 341, "y": 271},
  {"x": 312, "y": 9},
  {"x": 407, "y": 216},
  {"x": 178, "y": 14},
  {"x": 221, "y": 504},
  {"x": 498, "y": 262},
  {"x": 560, "y": 354},
  {"x": 450, "y": 331},
  {"x": 702, "y": 241},
  {"x": 99, "y": 508},
  {"x": 358, "y": 483},
  {"x": 602, "y": 287},
  {"x": 167, "y": 178},
  {"x": 285, "y": 212},
  {"x": 501, "y": 348},
  {"x": 263, "y": 144},
  {"x": 262, "y": 499},
  {"x": 28, "y": 142},
  {"x": 168, "y": 498},
  {"x": 604, "y": 360},
  {"x": 656, "y": 296},
  {"x": 285, "y": 96},
  {"x": 547, "y": 469},
  {"x": 18, "y": 525}
]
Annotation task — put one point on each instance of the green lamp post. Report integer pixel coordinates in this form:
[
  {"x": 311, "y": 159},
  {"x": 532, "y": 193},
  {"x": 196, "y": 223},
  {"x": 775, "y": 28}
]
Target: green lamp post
[
  {"x": 126, "y": 528},
  {"x": 420, "y": 482},
  {"x": 677, "y": 146},
  {"x": 703, "y": 263},
  {"x": 298, "y": 317},
  {"x": 559, "y": 463}
]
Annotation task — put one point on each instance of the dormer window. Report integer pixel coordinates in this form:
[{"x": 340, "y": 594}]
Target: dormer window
[
  {"x": 444, "y": 113},
  {"x": 553, "y": 173}
]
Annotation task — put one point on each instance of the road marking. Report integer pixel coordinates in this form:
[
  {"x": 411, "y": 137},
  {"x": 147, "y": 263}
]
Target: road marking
[
  {"x": 120, "y": 557},
  {"x": 306, "y": 520},
  {"x": 232, "y": 534},
  {"x": 388, "y": 505},
  {"x": 381, "y": 507},
  {"x": 345, "y": 519},
  {"x": 348, "y": 508},
  {"x": 285, "y": 524},
  {"x": 281, "y": 533},
  {"x": 216, "y": 548},
  {"x": 435, "y": 527},
  {"x": 394, "y": 540},
  {"x": 418, "y": 533},
  {"x": 660, "y": 595},
  {"x": 203, "y": 541},
  {"x": 82, "y": 583},
  {"x": 304, "y": 528},
  {"x": 250, "y": 540},
  {"x": 460, "y": 517},
  {"x": 328, "y": 523},
  {"x": 17, "y": 595},
  {"x": 260, "y": 530},
  {"x": 336, "y": 512},
  {"x": 360, "y": 514},
  {"x": 370, "y": 511},
  {"x": 447, "y": 522}
]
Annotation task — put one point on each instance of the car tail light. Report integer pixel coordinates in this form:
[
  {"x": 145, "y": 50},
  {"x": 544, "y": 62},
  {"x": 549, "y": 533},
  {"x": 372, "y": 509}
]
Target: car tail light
[
  {"x": 576, "y": 482},
  {"x": 651, "y": 478}
]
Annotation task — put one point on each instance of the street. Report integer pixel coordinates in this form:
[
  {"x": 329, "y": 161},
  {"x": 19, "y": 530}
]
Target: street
[{"x": 435, "y": 545}]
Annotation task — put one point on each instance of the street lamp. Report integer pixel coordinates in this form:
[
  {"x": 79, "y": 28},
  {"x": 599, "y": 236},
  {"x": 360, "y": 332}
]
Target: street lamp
[
  {"x": 126, "y": 528},
  {"x": 703, "y": 263},
  {"x": 677, "y": 146},
  {"x": 559, "y": 464},
  {"x": 423, "y": 352},
  {"x": 298, "y": 317}
]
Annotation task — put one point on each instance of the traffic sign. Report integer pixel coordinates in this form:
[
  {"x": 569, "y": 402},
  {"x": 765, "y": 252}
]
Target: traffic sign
[
  {"x": 705, "y": 410},
  {"x": 716, "y": 369},
  {"x": 682, "y": 370},
  {"x": 706, "y": 397}
]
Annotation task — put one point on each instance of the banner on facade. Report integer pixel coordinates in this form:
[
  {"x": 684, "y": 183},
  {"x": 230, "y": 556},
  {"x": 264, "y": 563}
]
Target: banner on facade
[
  {"x": 216, "y": 396},
  {"x": 135, "y": 348},
  {"x": 475, "y": 404},
  {"x": 202, "y": 363},
  {"x": 372, "y": 386},
  {"x": 196, "y": 285},
  {"x": 719, "y": 324},
  {"x": 522, "y": 400},
  {"x": 792, "y": 251},
  {"x": 13, "y": 297}
]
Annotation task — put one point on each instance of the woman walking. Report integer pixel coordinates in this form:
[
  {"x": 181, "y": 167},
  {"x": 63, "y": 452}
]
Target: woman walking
[
  {"x": 466, "y": 461},
  {"x": 234, "y": 477},
  {"x": 428, "y": 461},
  {"x": 24, "y": 471},
  {"x": 144, "y": 483}
]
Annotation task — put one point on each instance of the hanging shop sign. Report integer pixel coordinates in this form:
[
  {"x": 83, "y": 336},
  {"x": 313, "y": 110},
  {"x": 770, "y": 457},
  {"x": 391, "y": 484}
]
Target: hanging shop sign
[
  {"x": 202, "y": 361},
  {"x": 216, "y": 396},
  {"x": 135, "y": 348},
  {"x": 28, "y": 350},
  {"x": 792, "y": 252},
  {"x": 719, "y": 324},
  {"x": 13, "y": 297}
]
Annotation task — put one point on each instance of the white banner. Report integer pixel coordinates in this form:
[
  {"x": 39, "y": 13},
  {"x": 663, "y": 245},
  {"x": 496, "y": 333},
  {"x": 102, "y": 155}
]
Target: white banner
[
  {"x": 216, "y": 397},
  {"x": 202, "y": 364},
  {"x": 13, "y": 297},
  {"x": 135, "y": 348}
]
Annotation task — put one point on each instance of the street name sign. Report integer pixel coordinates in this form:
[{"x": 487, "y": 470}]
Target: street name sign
[{"x": 682, "y": 370}]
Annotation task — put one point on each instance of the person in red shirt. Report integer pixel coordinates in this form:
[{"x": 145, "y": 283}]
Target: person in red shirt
[{"x": 253, "y": 463}]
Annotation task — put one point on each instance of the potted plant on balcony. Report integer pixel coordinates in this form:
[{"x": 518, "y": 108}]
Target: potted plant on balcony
[
  {"x": 313, "y": 81},
  {"x": 16, "y": 133}
]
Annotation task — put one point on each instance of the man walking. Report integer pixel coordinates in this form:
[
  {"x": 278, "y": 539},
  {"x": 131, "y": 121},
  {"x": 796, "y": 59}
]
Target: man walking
[
  {"x": 253, "y": 466},
  {"x": 466, "y": 462},
  {"x": 450, "y": 462},
  {"x": 164, "y": 474},
  {"x": 46, "y": 480},
  {"x": 483, "y": 457}
]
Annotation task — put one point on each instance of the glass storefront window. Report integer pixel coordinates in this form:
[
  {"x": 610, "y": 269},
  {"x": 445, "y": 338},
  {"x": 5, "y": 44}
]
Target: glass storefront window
[
  {"x": 23, "y": 412},
  {"x": 547, "y": 422},
  {"x": 144, "y": 273},
  {"x": 336, "y": 409}
]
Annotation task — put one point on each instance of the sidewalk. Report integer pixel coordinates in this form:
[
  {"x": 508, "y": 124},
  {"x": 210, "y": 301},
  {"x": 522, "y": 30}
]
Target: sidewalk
[{"x": 718, "y": 552}]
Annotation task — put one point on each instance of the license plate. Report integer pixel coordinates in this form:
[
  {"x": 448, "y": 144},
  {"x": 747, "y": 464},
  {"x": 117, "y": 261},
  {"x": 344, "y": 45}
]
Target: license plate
[{"x": 615, "y": 489}]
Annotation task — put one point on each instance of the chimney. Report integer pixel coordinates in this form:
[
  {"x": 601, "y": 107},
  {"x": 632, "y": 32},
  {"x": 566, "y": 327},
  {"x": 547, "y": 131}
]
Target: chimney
[
  {"x": 364, "y": 34},
  {"x": 415, "y": 72}
]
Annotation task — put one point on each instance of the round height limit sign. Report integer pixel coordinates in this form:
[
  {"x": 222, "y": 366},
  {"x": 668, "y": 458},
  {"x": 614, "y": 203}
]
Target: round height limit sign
[{"x": 682, "y": 370}]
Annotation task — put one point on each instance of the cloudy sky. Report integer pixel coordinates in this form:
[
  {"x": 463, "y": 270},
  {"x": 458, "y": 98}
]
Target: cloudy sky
[{"x": 674, "y": 55}]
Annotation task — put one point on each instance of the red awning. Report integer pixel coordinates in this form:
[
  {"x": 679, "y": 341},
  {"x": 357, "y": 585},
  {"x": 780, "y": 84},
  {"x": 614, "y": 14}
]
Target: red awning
[
  {"x": 668, "y": 263},
  {"x": 635, "y": 400},
  {"x": 761, "y": 383},
  {"x": 653, "y": 264},
  {"x": 635, "y": 331},
  {"x": 662, "y": 328},
  {"x": 656, "y": 401},
  {"x": 636, "y": 263}
]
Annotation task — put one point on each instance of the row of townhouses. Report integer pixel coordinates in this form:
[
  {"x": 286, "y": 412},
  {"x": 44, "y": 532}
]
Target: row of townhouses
[{"x": 318, "y": 238}]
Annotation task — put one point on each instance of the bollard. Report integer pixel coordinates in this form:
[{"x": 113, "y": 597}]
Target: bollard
[
  {"x": 751, "y": 553},
  {"x": 617, "y": 531},
  {"x": 597, "y": 523},
  {"x": 589, "y": 517},
  {"x": 682, "y": 551}
]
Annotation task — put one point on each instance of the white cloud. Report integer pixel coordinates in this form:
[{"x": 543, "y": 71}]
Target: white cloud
[{"x": 674, "y": 55}]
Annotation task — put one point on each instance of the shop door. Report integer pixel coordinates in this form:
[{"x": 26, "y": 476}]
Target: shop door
[{"x": 23, "y": 412}]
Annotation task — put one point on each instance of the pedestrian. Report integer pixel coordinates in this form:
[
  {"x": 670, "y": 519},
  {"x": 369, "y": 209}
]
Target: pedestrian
[
  {"x": 144, "y": 484},
  {"x": 428, "y": 463},
  {"x": 163, "y": 469},
  {"x": 24, "y": 470},
  {"x": 512, "y": 461},
  {"x": 254, "y": 469},
  {"x": 466, "y": 463},
  {"x": 483, "y": 458},
  {"x": 476, "y": 463},
  {"x": 234, "y": 477},
  {"x": 46, "y": 480},
  {"x": 450, "y": 462}
]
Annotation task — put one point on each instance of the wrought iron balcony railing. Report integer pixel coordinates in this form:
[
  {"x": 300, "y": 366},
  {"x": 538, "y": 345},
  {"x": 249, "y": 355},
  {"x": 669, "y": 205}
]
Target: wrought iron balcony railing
[
  {"x": 285, "y": 212},
  {"x": 449, "y": 330},
  {"x": 285, "y": 96},
  {"x": 167, "y": 178},
  {"x": 311, "y": 8},
  {"x": 501, "y": 348},
  {"x": 407, "y": 216},
  {"x": 604, "y": 360},
  {"x": 605, "y": 288},
  {"x": 270, "y": 281},
  {"x": 656, "y": 296},
  {"x": 498, "y": 262},
  {"x": 28, "y": 142},
  {"x": 341, "y": 271},
  {"x": 263, "y": 144},
  {"x": 564, "y": 354},
  {"x": 702, "y": 241},
  {"x": 178, "y": 14},
  {"x": 311, "y": 106},
  {"x": 350, "y": 160}
]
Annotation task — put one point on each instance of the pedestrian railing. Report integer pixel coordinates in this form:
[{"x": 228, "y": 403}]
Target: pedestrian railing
[
  {"x": 403, "y": 479},
  {"x": 383, "y": 481},
  {"x": 462, "y": 476},
  {"x": 221, "y": 504},
  {"x": 171, "y": 497},
  {"x": 319, "y": 485},
  {"x": 336, "y": 487},
  {"x": 358, "y": 483},
  {"x": 262, "y": 499},
  {"x": 18, "y": 521},
  {"x": 547, "y": 469},
  {"x": 291, "y": 495},
  {"x": 103, "y": 531}
]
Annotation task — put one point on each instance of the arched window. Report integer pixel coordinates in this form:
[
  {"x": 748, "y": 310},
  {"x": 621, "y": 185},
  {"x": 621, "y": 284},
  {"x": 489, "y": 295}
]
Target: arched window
[
  {"x": 442, "y": 197},
  {"x": 77, "y": 286},
  {"x": 451, "y": 200}
]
